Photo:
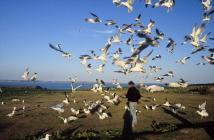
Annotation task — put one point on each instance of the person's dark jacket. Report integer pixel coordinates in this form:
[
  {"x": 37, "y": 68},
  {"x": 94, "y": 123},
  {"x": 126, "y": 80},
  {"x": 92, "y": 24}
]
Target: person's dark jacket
[{"x": 133, "y": 94}]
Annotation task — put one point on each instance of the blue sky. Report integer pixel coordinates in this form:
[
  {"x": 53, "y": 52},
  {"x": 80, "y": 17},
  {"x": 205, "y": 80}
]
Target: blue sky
[{"x": 27, "y": 26}]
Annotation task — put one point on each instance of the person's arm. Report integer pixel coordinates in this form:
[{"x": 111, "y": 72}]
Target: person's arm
[
  {"x": 139, "y": 95},
  {"x": 128, "y": 93}
]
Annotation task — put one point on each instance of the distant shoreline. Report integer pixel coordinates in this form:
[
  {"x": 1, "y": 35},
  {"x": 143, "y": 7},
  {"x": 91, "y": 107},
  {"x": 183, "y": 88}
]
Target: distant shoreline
[{"x": 94, "y": 81}]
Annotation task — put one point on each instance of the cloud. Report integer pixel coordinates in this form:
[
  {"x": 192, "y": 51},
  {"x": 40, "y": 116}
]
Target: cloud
[{"x": 105, "y": 32}]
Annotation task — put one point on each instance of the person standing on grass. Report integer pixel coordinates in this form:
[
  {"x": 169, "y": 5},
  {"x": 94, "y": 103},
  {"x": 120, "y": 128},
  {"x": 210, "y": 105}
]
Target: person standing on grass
[{"x": 133, "y": 96}]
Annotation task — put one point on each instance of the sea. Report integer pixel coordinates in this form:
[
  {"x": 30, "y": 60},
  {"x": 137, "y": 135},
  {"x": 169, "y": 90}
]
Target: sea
[
  {"x": 55, "y": 85},
  {"x": 52, "y": 85}
]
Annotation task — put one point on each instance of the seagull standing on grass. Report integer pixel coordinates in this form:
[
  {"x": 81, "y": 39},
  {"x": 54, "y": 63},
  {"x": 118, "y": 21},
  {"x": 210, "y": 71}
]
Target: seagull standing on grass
[
  {"x": 146, "y": 107},
  {"x": 69, "y": 119},
  {"x": 202, "y": 113},
  {"x": 66, "y": 101},
  {"x": 103, "y": 115},
  {"x": 202, "y": 110},
  {"x": 98, "y": 86},
  {"x": 47, "y": 136},
  {"x": 75, "y": 112},
  {"x": 12, "y": 113},
  {"x": 179, "y": 105},
  {"x": 58, "y": 107},
  {"x": 117, "y": 84},
  {"x": 167, "y": 104},
  {"x": 153, "y": 107}
]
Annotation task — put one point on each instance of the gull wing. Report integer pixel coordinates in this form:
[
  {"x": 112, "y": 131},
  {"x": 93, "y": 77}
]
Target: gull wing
[
  {"x": 94, "y": 15},
  {"x": 55, "y": 48}
]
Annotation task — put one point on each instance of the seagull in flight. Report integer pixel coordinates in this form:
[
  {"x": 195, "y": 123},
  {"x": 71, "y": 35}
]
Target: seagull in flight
[
  {"x": 148, "y": 28},
  {"x": 25, "y": 75},
  {"x": 100, "y": 68},
  {"x": 96, "y": 19},
  {"x": 169, "y": 4},
  {"x": 158, "y": 79},
  {"x": 195, "y": 38},
  {"x": 104, "y": 51},
  {"x": 59, "y": 49},
  {"x": 116, "y": 2},
  {"x": 207, "y": 4},
  {"x": 34, "y": 77},
  {"x": 170, "y": 73},
  {"x": 84, "y": 59},
  {"x": 155, "y": 68},
  {"x": 144, "y": 44},
  {"x": 160, "y": 35},
  {"x": 183, "y": 60},
  {"x": 73, "y": 80},
  {"x": 128, "y": 4},
  {"x": 209, "y": 59},
  {"x": 171, "y": 45},
  {"x": 157, "y": 57},
  {"x": 138, "y": 18},
  {"x": 110, "y": 22},
  {"x": 207, "y": 16},
  {"x": 148, "y": 2}
]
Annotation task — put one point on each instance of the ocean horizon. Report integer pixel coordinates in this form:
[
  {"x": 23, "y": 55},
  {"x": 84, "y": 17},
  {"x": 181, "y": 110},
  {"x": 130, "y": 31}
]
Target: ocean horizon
[{"x": 59, "y": 85}]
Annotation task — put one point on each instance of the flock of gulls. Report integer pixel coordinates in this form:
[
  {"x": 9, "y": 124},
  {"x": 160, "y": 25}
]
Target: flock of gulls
[{"x": 141, "y": 37}]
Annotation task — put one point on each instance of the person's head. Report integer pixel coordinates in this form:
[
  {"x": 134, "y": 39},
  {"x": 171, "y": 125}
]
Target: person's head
[{"x": 131, "y": 84}]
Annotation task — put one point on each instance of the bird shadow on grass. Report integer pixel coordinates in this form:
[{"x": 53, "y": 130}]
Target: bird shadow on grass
[
  {"x": 37, "y": 134},
  {"x": 207, "y": 126},
  {"x": 128, "y": 133},
  {"x": 70, "y": 131},
  {"x": 4, "y": 126},
  {"x": 146, "y": 100}
]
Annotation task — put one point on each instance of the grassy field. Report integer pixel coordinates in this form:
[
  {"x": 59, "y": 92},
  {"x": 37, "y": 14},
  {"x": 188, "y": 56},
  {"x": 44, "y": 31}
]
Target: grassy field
[{"x": 38, "y": 119}]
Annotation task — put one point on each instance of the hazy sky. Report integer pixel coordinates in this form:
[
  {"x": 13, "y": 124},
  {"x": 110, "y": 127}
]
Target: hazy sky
[{"x": 28, "y": 26}]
